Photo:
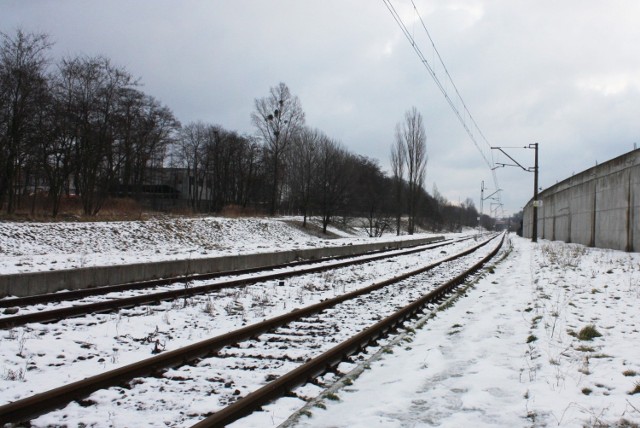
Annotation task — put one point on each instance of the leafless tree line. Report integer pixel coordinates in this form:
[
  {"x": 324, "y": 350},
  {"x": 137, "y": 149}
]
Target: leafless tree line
[
  {"x": 224, "y": 166},
  {"x": 83, "y": 127},
  {"x": 292, "y": 168},
  {"x": 308, "y": 174},
  {"x": 79, "y": 128}
]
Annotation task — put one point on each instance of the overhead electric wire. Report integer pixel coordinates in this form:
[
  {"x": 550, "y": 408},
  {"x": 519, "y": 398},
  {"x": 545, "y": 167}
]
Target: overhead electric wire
[
  {"x": 430, "y": 69},
  {"x": 446, "y": 70}
]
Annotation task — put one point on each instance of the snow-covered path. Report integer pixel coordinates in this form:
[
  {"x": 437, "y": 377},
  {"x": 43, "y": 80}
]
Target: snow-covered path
[{"x": 505, "y": 355}]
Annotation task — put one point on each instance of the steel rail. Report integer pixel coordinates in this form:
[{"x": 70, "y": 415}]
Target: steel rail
[
  {"x": 96, "y": 291},
  {"x": 331, "y": 358},
  {"x": 38, "y": 404},
  {"x": 156, "y": 297}
]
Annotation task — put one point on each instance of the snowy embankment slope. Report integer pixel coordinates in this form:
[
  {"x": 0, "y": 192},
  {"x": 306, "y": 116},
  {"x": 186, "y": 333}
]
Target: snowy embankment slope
[
  {"x": 510, "y": 352},
  {"x": 29, "y": 247}
]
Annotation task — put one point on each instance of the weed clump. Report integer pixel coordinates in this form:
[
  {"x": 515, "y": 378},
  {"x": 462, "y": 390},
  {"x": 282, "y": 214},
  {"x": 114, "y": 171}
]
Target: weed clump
[
  {"x": 14, "y": 375},
  {"x": 588, "y": 333},
  {"x": 306, "y": 413},
  {"x": 531, "y": 338},
  {"x": 333, "y": 397},
  {"x": 583, "y": 348}
]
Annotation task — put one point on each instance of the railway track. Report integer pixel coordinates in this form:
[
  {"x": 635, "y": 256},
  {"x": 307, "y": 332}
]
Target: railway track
[
  {"x": 101, "y": 290},
  {"x": 31, "y": 308},
  {"x": 258, "y": 362}
]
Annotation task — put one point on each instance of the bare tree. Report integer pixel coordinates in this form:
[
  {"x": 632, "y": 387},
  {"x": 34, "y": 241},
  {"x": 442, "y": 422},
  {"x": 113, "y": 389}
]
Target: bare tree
[
  {"x": 250, "y": 172},
  {"x": 278, "y": 117},
  {"x": 412, "y": 136},
  {"x": 440, "y": 203},
  {"x": 155, "y": 129},
  {"x": 370, "y": 191},
  {"x": 145, "y": 128},
  {"x": 56, "y": 148},
  {"x": 229, "y": 160},
  {"x": 92, "y": 91},
  {"x": 192, "y": 144},
  {"x": 302, "y": 161},
  {"x": 23, "y": 85},
  {"x": 335, "y": 170},
  {"x": 398, "y": 155}
]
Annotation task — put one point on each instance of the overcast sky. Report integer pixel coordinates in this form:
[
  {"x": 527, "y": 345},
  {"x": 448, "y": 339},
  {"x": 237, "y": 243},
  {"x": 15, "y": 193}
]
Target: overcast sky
[{"x": 565, "y": 74}]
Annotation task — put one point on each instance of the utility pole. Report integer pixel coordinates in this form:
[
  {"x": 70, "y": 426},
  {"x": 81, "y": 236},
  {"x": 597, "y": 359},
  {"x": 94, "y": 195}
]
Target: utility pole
[
  {"x": 536, "y": 203},
  {"x": 481, "y": 204},
  {"x": 534, "y": 226}
]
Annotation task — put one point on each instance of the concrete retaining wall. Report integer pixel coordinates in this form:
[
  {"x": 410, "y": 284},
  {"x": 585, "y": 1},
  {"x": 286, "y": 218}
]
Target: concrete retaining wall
[
  {"x": 599, "y": 207},
  {"x": 51, "y": 281}
]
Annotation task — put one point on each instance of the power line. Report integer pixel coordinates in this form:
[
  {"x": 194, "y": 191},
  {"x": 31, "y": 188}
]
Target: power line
[
  {"x": 430, "y": 69},
  {"x": 435, "y": 49}
]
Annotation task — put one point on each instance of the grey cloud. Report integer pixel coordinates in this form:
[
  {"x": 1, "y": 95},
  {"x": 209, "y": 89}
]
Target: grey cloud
[{"x": 558, "y": 73}]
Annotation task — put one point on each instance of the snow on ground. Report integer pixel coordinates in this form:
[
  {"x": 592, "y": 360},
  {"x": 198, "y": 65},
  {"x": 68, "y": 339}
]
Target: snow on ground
[
  {"x": 104, "y": 341},
  {"x": 29, "y": 247},
  {"x": 510, "y": 353}
]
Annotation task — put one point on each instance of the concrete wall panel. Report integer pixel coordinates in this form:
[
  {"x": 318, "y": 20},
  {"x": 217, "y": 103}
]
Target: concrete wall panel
[
  {"x": 561, "y": 219},
  {"x": 634, "y": 215},
  {"x": 581, "y": 205},
  {"x": 597, "y": 207},
  {"x": 611, "y": 213},
  {"x": 72, "y": 279}
]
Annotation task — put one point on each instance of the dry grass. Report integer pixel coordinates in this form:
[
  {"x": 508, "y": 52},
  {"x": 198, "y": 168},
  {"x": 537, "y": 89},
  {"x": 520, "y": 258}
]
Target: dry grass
[
  {"x": 588, "y": 333},
  {"x": 238, "y": 211},
  {"x": 114, "y": 209},
  {"x": 70, "y": 209}
]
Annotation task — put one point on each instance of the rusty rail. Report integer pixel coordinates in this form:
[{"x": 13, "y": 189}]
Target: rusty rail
[
  {"x": 150, "y": 298},
  {"x": 100, "y": 290},
  {"x": 334, "y": 356},
  {"x": 38, "y": 404}
]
